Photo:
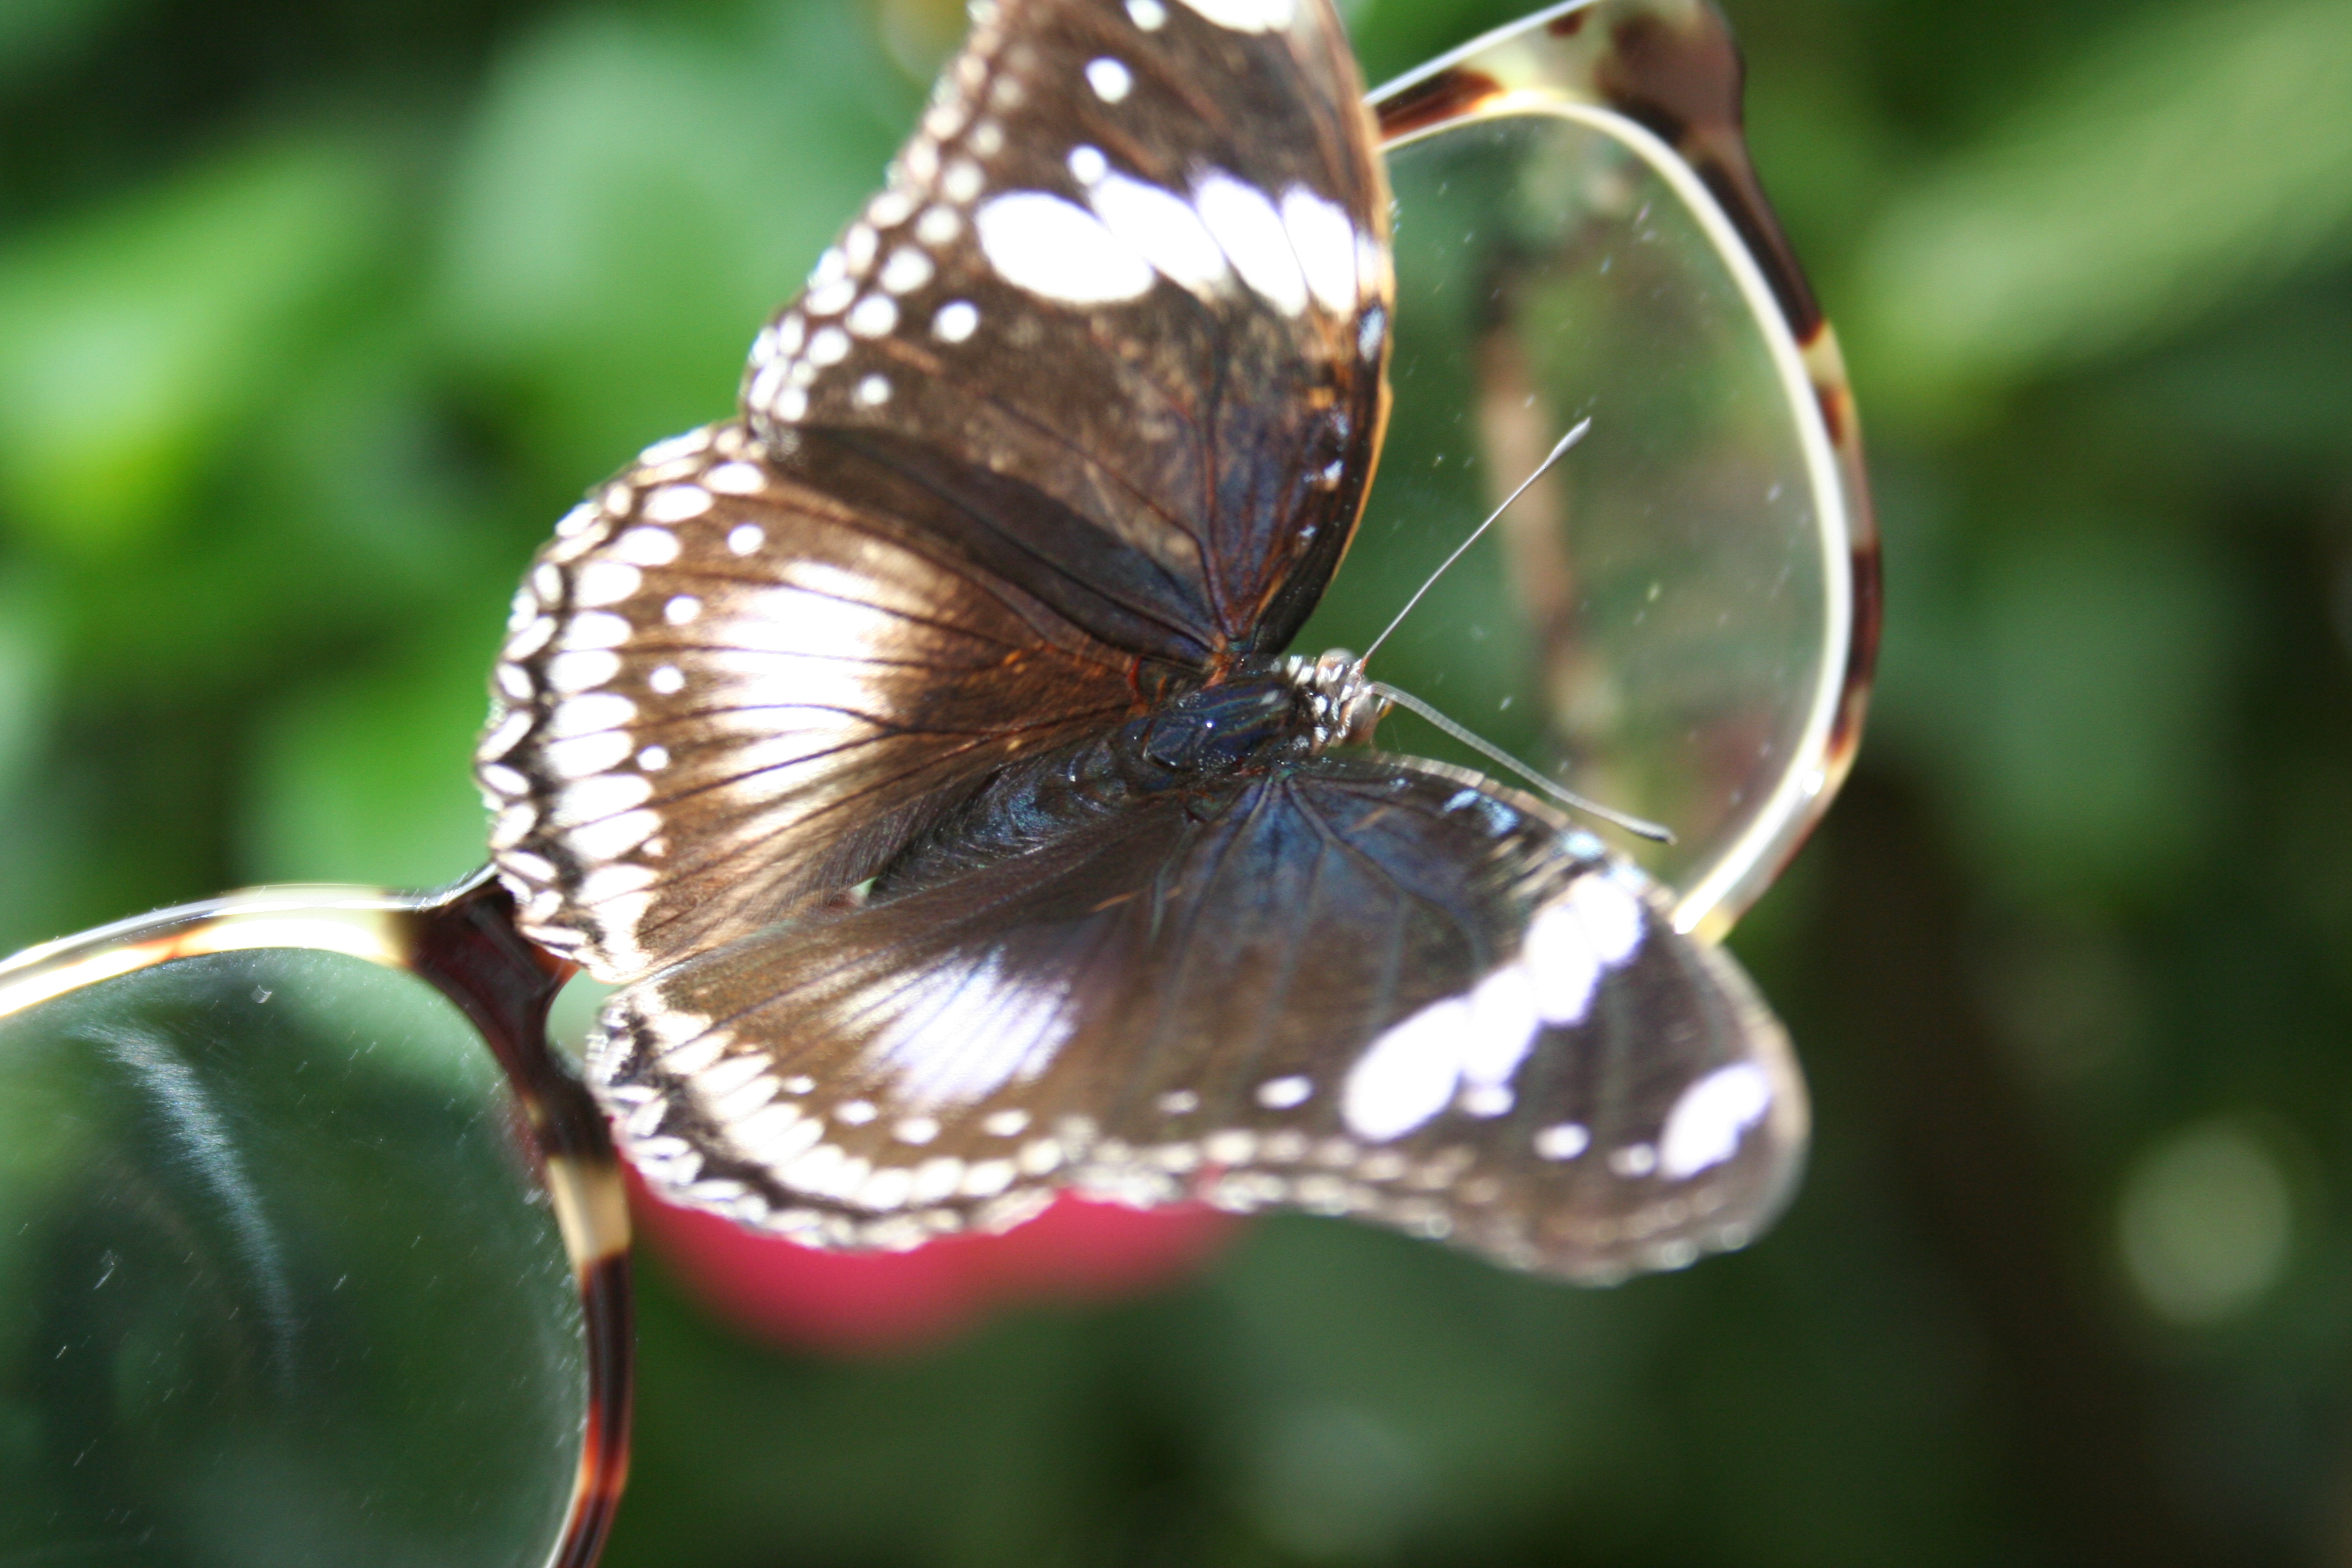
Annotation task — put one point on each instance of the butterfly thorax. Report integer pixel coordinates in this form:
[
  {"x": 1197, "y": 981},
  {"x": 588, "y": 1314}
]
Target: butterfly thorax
[
  {"x": 1249, "y": 719},
  {"x": 1189, "y": 749}
]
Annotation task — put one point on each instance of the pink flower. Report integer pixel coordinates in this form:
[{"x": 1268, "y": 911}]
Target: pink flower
[{"x": 886, "y": 1303}]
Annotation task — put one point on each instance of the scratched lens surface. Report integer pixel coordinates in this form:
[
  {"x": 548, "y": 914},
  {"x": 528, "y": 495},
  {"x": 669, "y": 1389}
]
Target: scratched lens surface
[
  {"x": 1661, "y": 622},
  {"x": 277, "y": 1284}
]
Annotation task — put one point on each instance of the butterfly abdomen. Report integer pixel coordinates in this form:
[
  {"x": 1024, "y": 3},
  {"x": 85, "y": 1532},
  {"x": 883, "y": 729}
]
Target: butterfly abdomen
[{"x": 1193, "y": 741}]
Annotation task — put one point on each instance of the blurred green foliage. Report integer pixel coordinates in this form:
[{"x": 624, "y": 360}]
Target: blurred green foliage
[{"x": 314, "y": 315}]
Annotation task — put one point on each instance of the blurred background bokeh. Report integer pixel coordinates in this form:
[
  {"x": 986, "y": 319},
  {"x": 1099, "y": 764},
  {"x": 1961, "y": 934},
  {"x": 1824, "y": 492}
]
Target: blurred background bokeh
[{"x": 314, "y": 314}]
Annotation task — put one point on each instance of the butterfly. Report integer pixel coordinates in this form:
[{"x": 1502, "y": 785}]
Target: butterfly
[{"x": 921, "y": 751}]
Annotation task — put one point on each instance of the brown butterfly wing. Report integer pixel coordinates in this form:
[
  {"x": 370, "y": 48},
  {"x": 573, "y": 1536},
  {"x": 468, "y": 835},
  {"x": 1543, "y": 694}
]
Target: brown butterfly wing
[
  {"x": 981, "y": 505},
  {"x": 726, "y": 693},
  {"x": 1134, "y": 268},
  {"x": 1350, "y": 985}
]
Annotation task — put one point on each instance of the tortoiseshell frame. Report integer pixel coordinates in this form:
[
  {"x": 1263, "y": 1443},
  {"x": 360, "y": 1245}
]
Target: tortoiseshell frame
[
  {"x": 1671, "y": 68},
  {"x": 462, "y": 941}
]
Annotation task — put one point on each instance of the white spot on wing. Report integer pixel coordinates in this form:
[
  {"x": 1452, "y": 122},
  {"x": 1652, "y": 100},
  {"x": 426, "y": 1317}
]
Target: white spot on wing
[
  {"x": 937, "y": 226},
  {"x": 1502, "y": 1027},
  {"x": 962, "y": 181},
  {"x": 1164, "y": 228},
  {"x": 1634, "y": 1160},
  {"x": 1109, "y": 79},
  {"x": 674, "y": 447},
  {"x": 605, "y": 795},
  {"x": 857, "y": 247},
  {"x": 1059, "y": 251},
  {"x": 675, "y": 503},
  {"x": 505, "y": 780},
  {"x": 1148, "y": 14},
  {"x": 1325, "y": 243},
  {"x": 1707, "y": 1122},
  {"x": 584, "y": 672},
  {"x": 1283, "y": 1093},
  {"x": 959, "y": 1033},
  {"x": 1559, "y": 959},
  {"x": 1611, "y": 913},
  {"x": 656, "y": 546},
  {"x": 530, "y": 639},
  {"x": 605, "y": 583},
  {"x": 986, "y": 1178},
  {"x": 583, "y": 755},
  {"x": 513, "y": 826},
  {"x": 1245, "y": 15},
  {"x": 1563, "y": 1140},
  {"x": 506, "y": 737},
  {"x": 736, "y": 479},
  {"x": 907, "y": 270},
  {"x": 1409, "y": 1074},
  {"x": 1250, "y": 232},
  {"x": 1487, "y": 1099},
  {"x": 613, "y": 836},
  {"x": 956, "y": 321},
  {"x": 595, "y": 628},
  {"x": 829, "y": 346},
  {"x": 586, "y": 715}
]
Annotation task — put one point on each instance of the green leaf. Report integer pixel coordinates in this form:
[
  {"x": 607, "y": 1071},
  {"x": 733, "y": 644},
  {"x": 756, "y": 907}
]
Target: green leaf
[
  {"x": 27, "y": 674},
  {"x": 2073, "y": 702},
  {"x": 365, "y": 777},
  {"x": 634, "y": 199},
  {"x": 35, "y": 33},
  {"x": 131, "y": 338},
  {"x": 2201, "y": 157}
]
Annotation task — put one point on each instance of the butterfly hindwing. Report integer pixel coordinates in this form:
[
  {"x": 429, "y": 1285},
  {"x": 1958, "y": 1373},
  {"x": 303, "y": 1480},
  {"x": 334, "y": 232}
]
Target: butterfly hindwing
[{"x": 1348, "y": 986}]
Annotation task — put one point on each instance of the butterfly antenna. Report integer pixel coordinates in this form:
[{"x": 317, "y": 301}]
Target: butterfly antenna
[
  {"x": 1487, "y": 749},
  {"x": 1479, "y": 743},
  {"x": 1570, "y": 440}
]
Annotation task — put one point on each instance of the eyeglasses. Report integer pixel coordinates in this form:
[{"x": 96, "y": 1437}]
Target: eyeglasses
[
  {"x": 312, "y": 1249},
  {"x": 296, "y": 1270}
]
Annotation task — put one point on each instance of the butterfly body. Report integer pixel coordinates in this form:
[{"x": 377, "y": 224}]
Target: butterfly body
[{"x": 919, "y": 751}]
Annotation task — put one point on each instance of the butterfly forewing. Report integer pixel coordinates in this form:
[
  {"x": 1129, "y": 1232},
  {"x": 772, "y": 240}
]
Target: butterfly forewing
[
  {"x": 1357, "y": 986},
  {"x": 1100, "y": 368},
  {"x": 726, "y": 692},
  {"x": 1129, "y": 280}
]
